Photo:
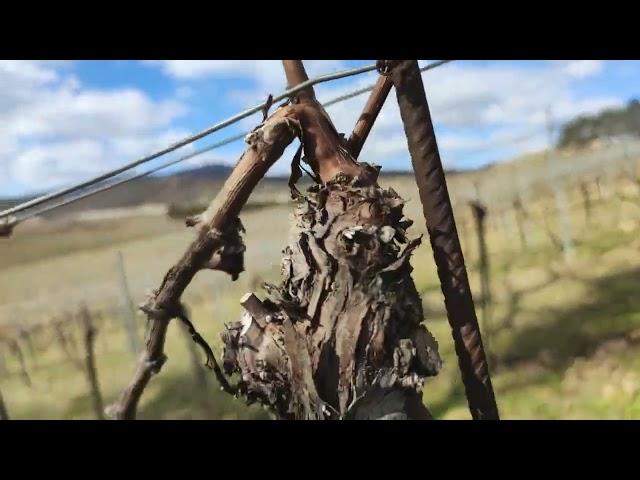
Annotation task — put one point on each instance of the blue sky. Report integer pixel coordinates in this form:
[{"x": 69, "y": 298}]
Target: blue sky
[{"x": 62, "y": 121}]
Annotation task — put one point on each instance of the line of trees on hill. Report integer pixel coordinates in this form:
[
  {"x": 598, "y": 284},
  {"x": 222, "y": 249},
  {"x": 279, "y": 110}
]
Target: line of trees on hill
[{"x": 612, "y": 122}]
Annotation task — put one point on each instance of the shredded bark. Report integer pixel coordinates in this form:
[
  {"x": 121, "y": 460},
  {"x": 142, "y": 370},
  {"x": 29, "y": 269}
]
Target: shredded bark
[{"x": 342, "y": 335}]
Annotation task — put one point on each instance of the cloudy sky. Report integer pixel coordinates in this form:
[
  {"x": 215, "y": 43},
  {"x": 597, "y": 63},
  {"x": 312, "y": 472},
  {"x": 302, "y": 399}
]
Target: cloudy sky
[{"x": 63, "y": 121}]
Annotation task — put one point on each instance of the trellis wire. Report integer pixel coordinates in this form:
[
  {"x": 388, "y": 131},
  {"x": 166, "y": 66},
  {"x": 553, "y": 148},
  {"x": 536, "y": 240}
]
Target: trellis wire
[
  {"x": 14, "y": 220},
  {"x": 185, "y": 141}
]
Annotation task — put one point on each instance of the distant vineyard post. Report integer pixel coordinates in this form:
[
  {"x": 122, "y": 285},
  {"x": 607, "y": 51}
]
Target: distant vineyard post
[
  {"x": 560, "y": 195},
  {"x": 4, "y": 414},
  {"x": 3, "y": 361},
  {"x": 480, "y": 212},
  {"x": 128, "y": 312},
  {"x": 89, "y": 332}
]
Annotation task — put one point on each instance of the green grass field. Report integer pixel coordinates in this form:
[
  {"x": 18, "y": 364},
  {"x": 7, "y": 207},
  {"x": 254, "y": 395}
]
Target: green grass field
[{"x": 564, "y": 338}]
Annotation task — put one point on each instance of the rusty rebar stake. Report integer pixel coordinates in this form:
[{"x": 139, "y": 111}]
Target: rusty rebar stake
[{"x": 441, "y": 226}]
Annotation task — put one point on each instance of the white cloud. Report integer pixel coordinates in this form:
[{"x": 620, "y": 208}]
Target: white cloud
[
  {"x": 257, "y": 69},
  {"x": 267, "y": 76},
  {"x": 584, "y": 68},
  {"x": 466, "y": 100},
  {"x": 26, "y": 71},
  {"x": 134, "y": 146},
  {"x": 199, "y": 69},
  {"x": 478, "y": 106},
  {"x": 73, "y": 112},
  {"x": 53, "y": 130},
  {"x": 51, "y": 164}
]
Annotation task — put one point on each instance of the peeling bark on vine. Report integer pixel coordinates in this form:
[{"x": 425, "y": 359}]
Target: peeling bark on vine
[{"x": 341, "y": 337}]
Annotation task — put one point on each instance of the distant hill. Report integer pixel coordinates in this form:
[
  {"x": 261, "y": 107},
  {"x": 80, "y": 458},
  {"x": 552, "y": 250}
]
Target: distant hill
[
  {"x": 184, "y": 186},
  {"x": 194, "y": 186},
  {"x": 206, "y": 171}
]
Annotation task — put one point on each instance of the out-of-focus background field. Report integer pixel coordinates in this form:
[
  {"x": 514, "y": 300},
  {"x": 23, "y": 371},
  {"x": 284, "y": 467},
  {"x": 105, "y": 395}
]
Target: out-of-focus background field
[{"x": 563, "y": 331}]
